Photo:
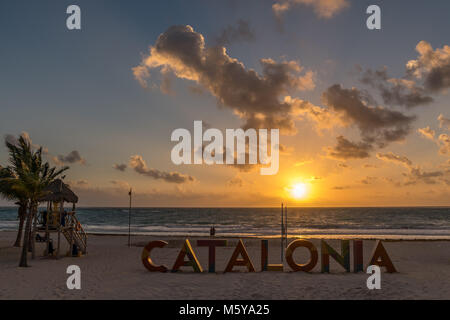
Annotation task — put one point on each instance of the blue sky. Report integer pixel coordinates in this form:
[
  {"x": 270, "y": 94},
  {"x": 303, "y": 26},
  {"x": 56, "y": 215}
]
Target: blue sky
[{"x": 75, "y": 90}]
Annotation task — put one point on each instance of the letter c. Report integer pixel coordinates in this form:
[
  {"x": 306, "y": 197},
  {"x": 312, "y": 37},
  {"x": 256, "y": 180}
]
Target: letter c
[
  {"x": 301, "y": 267},
  {"x": 147, "y": 261}
]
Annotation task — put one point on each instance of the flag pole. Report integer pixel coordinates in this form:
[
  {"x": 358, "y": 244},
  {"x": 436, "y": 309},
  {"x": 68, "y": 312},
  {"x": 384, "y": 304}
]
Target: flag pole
[
  {"x": 286, "y": 223},
  {"x": 129, "y": 219},
  {"x": 282, "y": 231}
]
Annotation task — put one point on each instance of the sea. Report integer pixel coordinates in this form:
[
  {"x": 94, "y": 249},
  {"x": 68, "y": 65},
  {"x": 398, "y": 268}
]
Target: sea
[{"x": 366, "y": 223}]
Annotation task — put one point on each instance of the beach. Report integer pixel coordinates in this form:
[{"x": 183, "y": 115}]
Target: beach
[{"x": 112, "y": 270}]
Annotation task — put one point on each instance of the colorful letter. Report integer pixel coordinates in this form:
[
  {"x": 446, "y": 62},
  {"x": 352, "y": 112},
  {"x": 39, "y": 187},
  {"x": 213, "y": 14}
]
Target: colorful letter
[
  {"x": 265, "y": 266},
  {"x": 343, "y": 259},
  {"x": 193, "y": 261},
  {"x": 301, "y": 267},
  {"x": 212, "y": 244},
  {"x": 381, "y": 258},
  {"x": 147, "y": 261},
  {"x": 234, "y": 261},
  {"x": 358, "y": 256}
]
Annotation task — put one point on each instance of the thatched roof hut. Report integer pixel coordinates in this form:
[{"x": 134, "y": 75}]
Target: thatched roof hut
[{"x": 58, "y": 191}]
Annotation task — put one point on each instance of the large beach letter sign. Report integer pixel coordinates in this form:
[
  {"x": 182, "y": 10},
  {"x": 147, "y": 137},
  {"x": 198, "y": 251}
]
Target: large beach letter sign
[{"x": 240, "y": 257}]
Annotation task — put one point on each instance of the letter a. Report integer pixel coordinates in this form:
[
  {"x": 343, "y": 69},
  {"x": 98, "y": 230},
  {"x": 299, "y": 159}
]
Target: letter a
[
  {"x": 74, "y": 280},
  {"x": 193, "y": 261},
  {"x": 74, "y": 20},
  {"x": 234, "y": 261},
  {"x": 381, "y": 258},
  {"x": 374, "y": 21}
]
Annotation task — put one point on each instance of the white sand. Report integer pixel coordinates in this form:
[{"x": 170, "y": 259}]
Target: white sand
[{"x": 111, "y": 270}]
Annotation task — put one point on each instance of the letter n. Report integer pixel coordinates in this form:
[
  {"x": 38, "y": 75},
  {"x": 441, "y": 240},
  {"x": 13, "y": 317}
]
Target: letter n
[
  {"x": 193, "y": 261},
  {"x": 343, "y": 259},
  {"x": 381, "y": 258},
  {"x": 358, "y": 256},
  {"x": 245, "y": 261}
]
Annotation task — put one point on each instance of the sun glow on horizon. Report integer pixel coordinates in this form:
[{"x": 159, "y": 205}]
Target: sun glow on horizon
[{"x": 299, "y": 191}]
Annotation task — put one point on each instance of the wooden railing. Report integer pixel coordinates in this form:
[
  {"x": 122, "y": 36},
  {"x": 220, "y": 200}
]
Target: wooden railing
[{"x": 72, "y": 224}]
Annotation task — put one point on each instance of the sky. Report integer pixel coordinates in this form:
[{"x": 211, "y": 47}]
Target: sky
[{"x": 363, "y": 114}]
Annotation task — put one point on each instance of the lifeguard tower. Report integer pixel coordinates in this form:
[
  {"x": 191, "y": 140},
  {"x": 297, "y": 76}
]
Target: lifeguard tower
[{"x": 56, "y": 220}]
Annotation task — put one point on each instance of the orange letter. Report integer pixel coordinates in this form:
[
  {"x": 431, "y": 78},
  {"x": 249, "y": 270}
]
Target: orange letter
[
  {"x": 147, "y": 261},
  {"x": 301, "y": 267},
  {"x": 193, "y": 261},
  {"x": 265, "y": 266},
  {"x": 381, "y": 258},
  {"x": 240, "y": 249}
]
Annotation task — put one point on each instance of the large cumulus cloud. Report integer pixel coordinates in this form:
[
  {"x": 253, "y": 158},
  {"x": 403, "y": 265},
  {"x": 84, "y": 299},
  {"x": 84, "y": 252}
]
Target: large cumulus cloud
[
  {"x": 378, "y": 126},
  {"x": 256, "y": 97},
  {"x": 432, "y": 66}
]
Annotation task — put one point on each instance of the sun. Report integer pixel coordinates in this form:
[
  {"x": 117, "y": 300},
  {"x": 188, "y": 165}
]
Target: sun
[{"x": 299, "y": 190}]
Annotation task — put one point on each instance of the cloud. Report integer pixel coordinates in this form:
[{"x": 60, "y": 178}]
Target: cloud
[
  {"x": 391, "y": 157},
  {"x": 323, "y": 118},
  {"x": 233, "y": 34},
  {"x": 12, "y": 139},
  {"x": 427, "y": 133},
  {"x": 120, "y": 167},
  {"x": 415, "y": 174},
  {"x": 71, "y": 158},
  {"x": 346, "y": 149},
  {"x": 256, "y": 98},
  {"x": 83, "y": 183},
  {"x": 431, "y": 66},
  {"x": 121, "y": 185},
  {"x": 138, "y": 164},
  {"x": 285, "y": 150},
  {"x": 341, "y": 187},
  {"x": 377, "y": 125},
  {"x": 368, "y": 180},
  {"x": 444, "y": 142},
  {"x": 401, "y": 92},
  {"x": 444, "y": 122},
  {"x": 323, "y": 8},
  {"x": 236, "y": 182}
]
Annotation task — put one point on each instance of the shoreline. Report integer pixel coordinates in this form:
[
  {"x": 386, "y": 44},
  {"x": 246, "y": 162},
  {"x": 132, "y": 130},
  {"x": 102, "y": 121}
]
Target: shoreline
[{"x": 388, "y": 238}]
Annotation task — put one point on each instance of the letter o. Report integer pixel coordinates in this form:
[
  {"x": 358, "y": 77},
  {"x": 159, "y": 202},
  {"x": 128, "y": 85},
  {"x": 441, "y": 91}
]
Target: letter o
[
  {"x": 301, "y": 267},
  {"x": 147, "y": 261}
]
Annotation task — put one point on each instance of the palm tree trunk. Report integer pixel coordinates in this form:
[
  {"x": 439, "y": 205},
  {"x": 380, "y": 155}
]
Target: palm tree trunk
[
  {"x": 30, "y": 238},
  {"x": 26, "y": 237},
  {"x": 33, "y": 233},
  {"x": 22, "y": 212}
]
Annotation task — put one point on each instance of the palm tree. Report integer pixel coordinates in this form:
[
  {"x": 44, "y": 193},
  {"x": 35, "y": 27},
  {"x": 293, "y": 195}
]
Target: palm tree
[
  {"x": 8, "y": 193},
  {"x": 31, "y": 177}
]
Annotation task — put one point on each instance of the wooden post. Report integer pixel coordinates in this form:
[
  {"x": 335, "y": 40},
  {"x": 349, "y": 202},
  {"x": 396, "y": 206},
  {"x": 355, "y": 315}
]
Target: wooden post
[
  {"x": 286, "y": 226},
  {"x": 59, "y": 228},
  {"x": 33, "y": 236},
  {"x": 47, "y": 234},
  {"x": 129, "y": 219},
  {"x": 282, "y": 231}
]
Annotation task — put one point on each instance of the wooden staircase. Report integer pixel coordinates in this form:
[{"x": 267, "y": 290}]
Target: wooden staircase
[{"x": 74, "y": 233}]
